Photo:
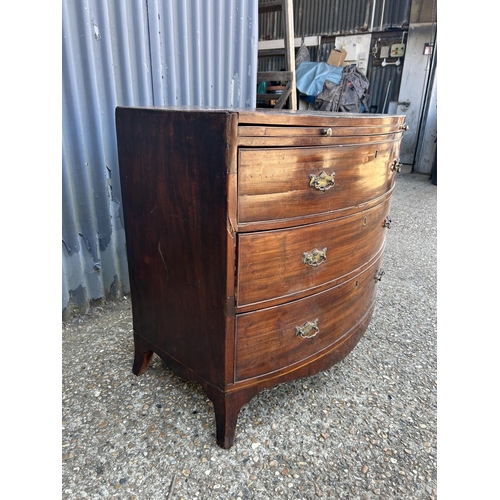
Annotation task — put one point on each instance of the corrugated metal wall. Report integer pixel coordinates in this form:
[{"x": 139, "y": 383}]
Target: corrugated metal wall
[
  {"x": 134, "y": 52},
  {"x": 337, "y": 17}
]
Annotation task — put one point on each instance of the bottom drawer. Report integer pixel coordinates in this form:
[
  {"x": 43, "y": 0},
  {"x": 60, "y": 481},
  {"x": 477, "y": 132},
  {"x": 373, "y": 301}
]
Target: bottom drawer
[{"x": 271, "y": 339}]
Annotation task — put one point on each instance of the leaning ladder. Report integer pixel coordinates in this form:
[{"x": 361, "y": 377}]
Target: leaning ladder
[{"x": 287, "y": 77}]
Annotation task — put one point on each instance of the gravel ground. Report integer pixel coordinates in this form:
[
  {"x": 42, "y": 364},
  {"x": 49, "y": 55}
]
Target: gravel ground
[{"x": 364, "y": 429}]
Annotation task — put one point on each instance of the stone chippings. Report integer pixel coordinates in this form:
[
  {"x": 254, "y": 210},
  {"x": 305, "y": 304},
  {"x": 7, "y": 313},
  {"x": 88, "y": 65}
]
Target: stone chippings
[{"x": 364, "y": 429}]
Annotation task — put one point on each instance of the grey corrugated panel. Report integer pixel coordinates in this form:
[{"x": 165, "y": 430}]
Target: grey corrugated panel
[
  {"x": 396, "y": 13},
  {"x": 144, "y": 53},
  {"x": 334, "y": 17},
  {"x": 383, "y": 79}
]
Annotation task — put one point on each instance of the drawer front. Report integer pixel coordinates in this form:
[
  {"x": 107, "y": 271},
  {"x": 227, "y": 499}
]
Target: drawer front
[
  {"x": 278, "y": 265},
  {"x": 339, "y": 131},
  {"x": 317, "y": 136},
  {"x": 283, "y": 183},
  {"x": 278, "y": 337}
]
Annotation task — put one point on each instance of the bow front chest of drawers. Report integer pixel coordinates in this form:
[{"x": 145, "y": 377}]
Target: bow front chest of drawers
[{"x": 254, "y": 241}]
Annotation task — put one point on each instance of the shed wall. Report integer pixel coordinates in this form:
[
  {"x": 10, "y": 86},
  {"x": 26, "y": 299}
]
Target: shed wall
[
  {"x": 144, "y": 53},
  {"x": 337, "y": 17}
]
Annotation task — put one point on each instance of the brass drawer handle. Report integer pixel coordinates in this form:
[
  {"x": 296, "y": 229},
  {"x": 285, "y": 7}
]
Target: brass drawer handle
[
  {"x": 396, "y": 166},
  {"x": 322, "y": 182},
  {"x": 378, "y": 276},
  {"x": 387, "y": 223},
  {"x": 308, "y": 330},
  {"x": 314, "y": 258},
  {"x": 327, "y": 132}
]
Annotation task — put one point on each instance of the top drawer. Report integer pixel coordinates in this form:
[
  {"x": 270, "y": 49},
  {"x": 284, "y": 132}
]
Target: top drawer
[
  {"x": 293, "y": 183},
  {"x": 317, "y": 136}
]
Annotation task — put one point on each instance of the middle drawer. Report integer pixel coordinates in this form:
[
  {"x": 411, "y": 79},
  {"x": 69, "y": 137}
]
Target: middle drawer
[{"x": 279, "y": 265}]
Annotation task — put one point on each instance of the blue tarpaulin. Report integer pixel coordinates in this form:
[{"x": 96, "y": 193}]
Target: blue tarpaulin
[{"x": 310, "y": 76}]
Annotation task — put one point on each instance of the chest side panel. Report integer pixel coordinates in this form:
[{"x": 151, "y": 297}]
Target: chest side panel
[{"x": 174, "y": 174}]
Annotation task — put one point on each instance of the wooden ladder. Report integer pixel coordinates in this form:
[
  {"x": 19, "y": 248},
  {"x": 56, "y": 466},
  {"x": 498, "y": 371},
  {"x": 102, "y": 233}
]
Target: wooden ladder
[{"x": 288, "y": 76}]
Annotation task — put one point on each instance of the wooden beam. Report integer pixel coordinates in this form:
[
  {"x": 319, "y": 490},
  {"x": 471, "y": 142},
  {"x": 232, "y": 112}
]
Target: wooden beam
[
  {"x": 274, "y": 76},
  {"x": 284, "y": 96},
  {"x": 309, "y": 41},
  {"x": 289, "y": 49}
]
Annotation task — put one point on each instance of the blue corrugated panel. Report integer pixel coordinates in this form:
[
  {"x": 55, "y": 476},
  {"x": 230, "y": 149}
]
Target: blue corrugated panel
[{"x": 134, "y": 52}]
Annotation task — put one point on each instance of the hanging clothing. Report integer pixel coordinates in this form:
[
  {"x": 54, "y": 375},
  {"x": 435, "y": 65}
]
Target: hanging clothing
[{"x": 349, "y": 95}]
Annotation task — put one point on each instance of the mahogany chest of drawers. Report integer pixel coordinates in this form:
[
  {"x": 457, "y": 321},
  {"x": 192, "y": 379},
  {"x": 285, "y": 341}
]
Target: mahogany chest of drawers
[{"x": 254, "y": 241}]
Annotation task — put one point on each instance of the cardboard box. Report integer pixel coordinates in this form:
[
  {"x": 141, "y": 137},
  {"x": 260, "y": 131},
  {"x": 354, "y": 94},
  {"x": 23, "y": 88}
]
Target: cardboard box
[{"x": 336, "y": 57}]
